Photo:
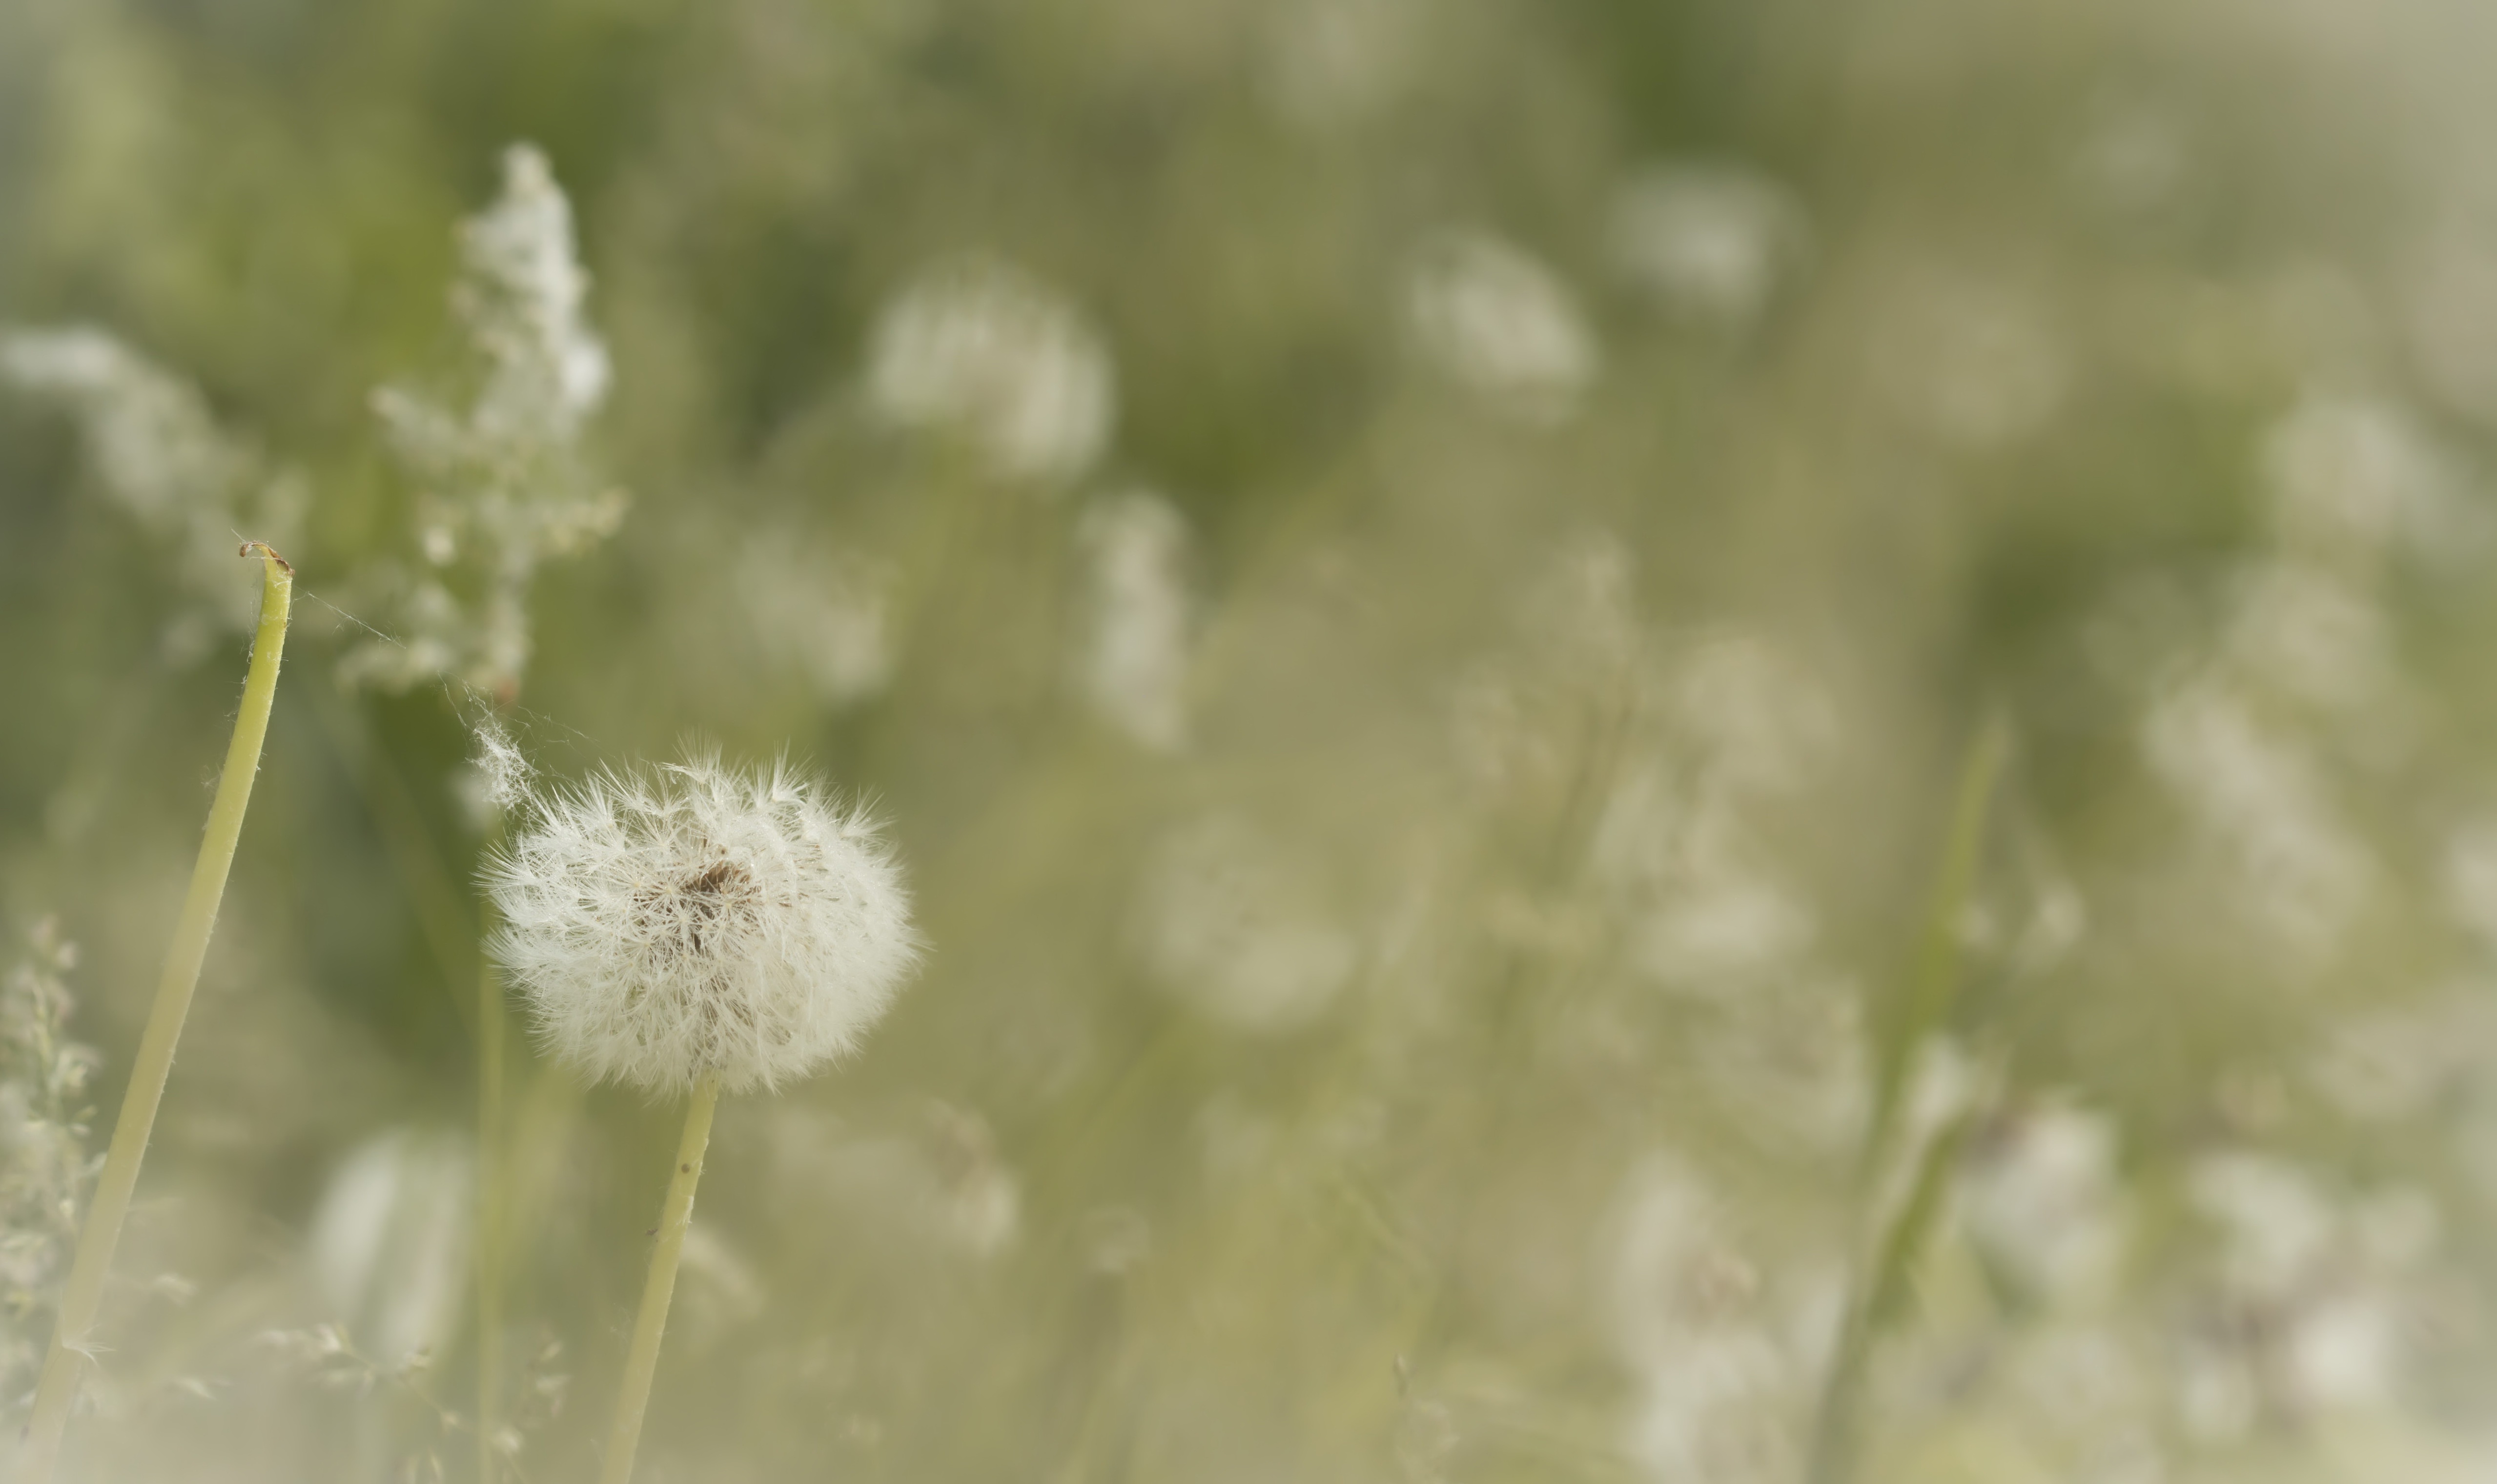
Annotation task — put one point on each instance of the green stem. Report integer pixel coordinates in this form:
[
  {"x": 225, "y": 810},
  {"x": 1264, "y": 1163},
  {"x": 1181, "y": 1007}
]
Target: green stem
[
  {"x": 71, "y": 1336},
  {"x": 1884, "y": 1272},
  {"x": 643, "y": 1360},
  {"x": 489, "y": 1216}
]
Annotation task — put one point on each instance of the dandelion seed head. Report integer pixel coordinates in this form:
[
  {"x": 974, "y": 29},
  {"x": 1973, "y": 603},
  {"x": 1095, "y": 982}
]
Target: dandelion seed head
[{"x": 696, "y": 919}]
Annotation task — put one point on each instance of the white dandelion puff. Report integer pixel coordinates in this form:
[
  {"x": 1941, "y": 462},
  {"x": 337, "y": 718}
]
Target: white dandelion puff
[{"x": 697, "y": 921}]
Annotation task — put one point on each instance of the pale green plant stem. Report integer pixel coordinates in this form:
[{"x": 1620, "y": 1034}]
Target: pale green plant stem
[
  {"x": 489, "y": 1216},
  {"x": 642, "y": 1361},
  {"x": 1885, "y": 1265},
  {"x": 65, "y": 1364}
]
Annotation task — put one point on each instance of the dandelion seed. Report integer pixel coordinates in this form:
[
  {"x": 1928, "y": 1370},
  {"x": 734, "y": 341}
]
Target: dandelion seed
[{"x": 696, "y": 921}]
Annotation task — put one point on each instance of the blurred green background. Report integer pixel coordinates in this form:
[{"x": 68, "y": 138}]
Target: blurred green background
[{"x": 1417, "y": 581}]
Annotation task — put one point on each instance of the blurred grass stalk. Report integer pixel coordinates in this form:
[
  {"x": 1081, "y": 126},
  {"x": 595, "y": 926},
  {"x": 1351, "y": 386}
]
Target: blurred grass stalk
[
  {"x": 491, "y": 1164},
  {"x": 641, "y": 1363},
  {"x": 57, "y": 1391},
  {"x": 1900, "y": 1221}
]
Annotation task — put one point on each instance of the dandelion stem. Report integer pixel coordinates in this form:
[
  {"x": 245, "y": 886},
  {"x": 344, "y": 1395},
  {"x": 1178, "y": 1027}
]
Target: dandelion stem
[
  {"x": 634, "y": 1397},
  {"x": 64, "y": 1365},
  {"x": 489, "y": 1214}
]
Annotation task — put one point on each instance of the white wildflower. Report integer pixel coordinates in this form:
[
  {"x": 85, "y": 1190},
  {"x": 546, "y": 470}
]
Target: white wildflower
[
  {"x": 1500, "y": 322},
  {"x": 2321, "y": 1286},
  {"x": 159, "y": 454},
  {"x": 1134, "y": 661},
  {"x": 2350, "y": 476},
  {"x": 505, "y": 486},
  {"x": 2263, "y": 797},
  {"x": 695, "y": 919},
  {"x": 2042, "y": 1201},
  {"x": 45, "y": 1169},
  {"x": 980, "y": 345},
  {"x": 1720, "y": 1390}
]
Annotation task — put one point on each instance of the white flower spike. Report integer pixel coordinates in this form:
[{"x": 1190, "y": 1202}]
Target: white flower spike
[{"x": 696, "y": 921}]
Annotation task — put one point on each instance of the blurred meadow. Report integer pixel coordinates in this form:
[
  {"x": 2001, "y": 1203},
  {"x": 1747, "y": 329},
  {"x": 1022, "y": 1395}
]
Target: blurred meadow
[{"x": 1687, "y": 742}]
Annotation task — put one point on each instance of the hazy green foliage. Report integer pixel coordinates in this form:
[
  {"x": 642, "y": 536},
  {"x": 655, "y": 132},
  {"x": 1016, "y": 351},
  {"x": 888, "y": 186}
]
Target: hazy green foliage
[{"x": 1416, "y": 581}]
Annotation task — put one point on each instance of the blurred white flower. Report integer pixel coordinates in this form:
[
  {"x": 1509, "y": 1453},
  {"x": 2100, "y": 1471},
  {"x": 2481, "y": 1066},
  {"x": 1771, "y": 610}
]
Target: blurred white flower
[
  {"x": 1759, "y": 721},
  {"x": 2133, "y": 155},
  {"x": 1133, "y": 664},
  {"x": 1977, "y": 363},
  {"x": 1721, "y": 1394},
  {"x": 2044, "y": 1203},
  {"x": 2351, "y": 475},
  {"x": 1711, "y": 243},
  {"x": 161, "y": 456},
  {"x": 1229, "y": 922},
  {"x": 693, "y": 919},
  {"x": 2260, "y": 795},
  {"x": 2307, "y": 631},
  {"x": 824, "y": 614},
  {"x": 390, "y": 1241},
  {"x": 2276, "y": 1226},
  {"x": 937, "y": 1187},
  {"x": 979, "y": 345},
  {"x": 504, "y": 485},
  {"x": 1329, "y": 62},
  {"x": 2471, "y": 878},
  {"x": 1720, "y": 932},
  {"x": 2450, "y": 311},
  {"x": 46, "y": 1172},
  {"x": 2391, "y": 1064},
  {"x": 1498, "y": 321},
  {"x": 2319, "y": 1281}
]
